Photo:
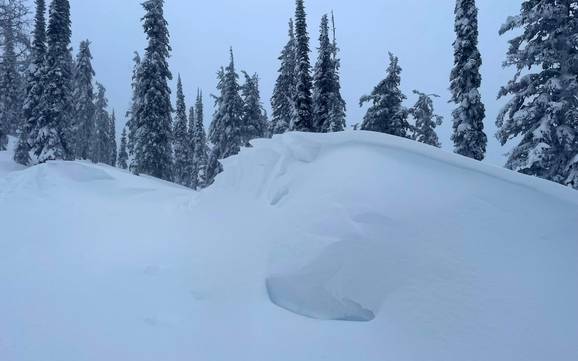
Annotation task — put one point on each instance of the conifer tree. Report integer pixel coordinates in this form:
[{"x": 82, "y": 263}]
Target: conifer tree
[
  {"x": 101, "y": 140},
  {"x": 542, "y": 114},
  {"x": 153, "y": 154},
  {"x": 387, "y": 113},
  {"x": 123, "y": 151},
  {"x": 303, "y": 114},
  {"x": 425, "y": 119},
  {"x": 323, "y": 80},
  {"x": 52, "y": 136},
  {"x": 181, "y": 145},
  {"x": 468, "y": 127},
  {"x": 83, "y": 105},
  {"x": 254, "y": 118},
  {"x": 112, "y": 155},
  {"x": 10, "y": 82},
  {"x": 337, "y": 106},
  {"x": 34, "y": 86},
  {"x": 198, "y": 145},
  {"x": 226, "y": 133},
  {"x": 282, "y": 101},
  {"x": 131, "y": 123}
]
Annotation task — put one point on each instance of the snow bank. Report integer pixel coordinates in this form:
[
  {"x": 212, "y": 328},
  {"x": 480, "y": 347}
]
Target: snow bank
[{"x": 439, "y": 257}]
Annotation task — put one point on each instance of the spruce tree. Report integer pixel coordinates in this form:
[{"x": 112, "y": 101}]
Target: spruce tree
[
  {"x": 323, "y": 80},
  {"x": 101, "y": 140},
  {"x": 337, "y": 106},
  {"x": 52, "y": 136},
  {"x": 425, "y": 119},
  {"x": 123, "y": 151},
  {"x": 181, "y": 145},
  {"x": 34, "y": 87},
  {"x": 303, "y": 114},
  {"x": 282, "y": 101},
  {"x": 112, "y": 155},
  {"x": 131, "y": 123},
  {"x": 153, "y": 151},
  {"x": 542, "y": 114},
  {"x": 254, "y": 118},
  {"x": 10, "y": 82},
  {"x": 468, "y": 127},
  {"x": 387, "y": 113},
  {"x": 83, "y": 105},
  {"x": 226, "y": 130},
  {"x": 198, "y": 145}
]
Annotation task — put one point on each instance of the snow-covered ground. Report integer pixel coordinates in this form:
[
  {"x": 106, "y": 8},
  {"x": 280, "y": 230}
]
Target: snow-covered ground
[{"x": 352, "y": 246}]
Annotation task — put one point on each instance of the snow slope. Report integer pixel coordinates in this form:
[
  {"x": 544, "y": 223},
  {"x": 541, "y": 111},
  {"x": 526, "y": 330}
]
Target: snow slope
[{"x": 352, "y": 246}]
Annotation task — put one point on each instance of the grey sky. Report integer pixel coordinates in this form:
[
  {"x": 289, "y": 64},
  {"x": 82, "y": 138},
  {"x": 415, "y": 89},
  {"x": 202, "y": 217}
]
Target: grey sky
[{"x": 420, "y": 32}]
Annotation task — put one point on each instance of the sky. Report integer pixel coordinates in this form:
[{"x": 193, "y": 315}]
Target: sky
[{"x": 419, "y": 32}]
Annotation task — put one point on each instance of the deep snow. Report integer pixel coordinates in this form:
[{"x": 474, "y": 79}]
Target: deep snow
[{"x": 441, "y": 257}]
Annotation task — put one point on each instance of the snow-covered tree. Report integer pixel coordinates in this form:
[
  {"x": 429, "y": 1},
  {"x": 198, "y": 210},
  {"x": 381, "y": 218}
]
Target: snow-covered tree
[
  {"x": 337, "y": 106},
  {"x": 34, "y": 86},
  {"x": 542, "y": 113},
  {"x": 425, "y": 119},
  {"x": 52, "y": 136},
  {"x": 282, "y": 101},
  {"x": 131, "y": 123},
  {"x": 83, "y": 103},
  {"x": 123, "y": 151},
  {"x": 226, "y": 133},
  {"x": 255, "y": 123},
  {"x": 468, "y": 117},
  {"x": 101, "y": 140},
  {"x": 323, "y": 80},
  {"x": 387, "y": 113},
  {"x": 10, "y": 81},
  {"x": 153, "y": 154},
  {"x": 112, "y": 155},
  {"x": 303, "y": 113},
  {"x": 181, "y": 140},
  {"x": 198, "y": 144}
]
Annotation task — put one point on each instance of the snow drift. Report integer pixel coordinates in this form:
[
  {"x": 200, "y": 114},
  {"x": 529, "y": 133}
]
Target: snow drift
[{"x": 302, "y": 237}]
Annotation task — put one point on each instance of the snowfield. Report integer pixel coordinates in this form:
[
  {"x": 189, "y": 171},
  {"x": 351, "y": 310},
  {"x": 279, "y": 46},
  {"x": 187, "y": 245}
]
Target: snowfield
[{"x": 344, "y": 247}]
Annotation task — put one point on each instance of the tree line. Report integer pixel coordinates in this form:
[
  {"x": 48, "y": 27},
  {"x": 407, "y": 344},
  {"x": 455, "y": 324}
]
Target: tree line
[{"x": 53, "y": 104}]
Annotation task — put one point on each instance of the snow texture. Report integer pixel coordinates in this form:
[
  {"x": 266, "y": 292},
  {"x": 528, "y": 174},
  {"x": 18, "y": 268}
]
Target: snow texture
[{"x": 442, "y": 257}]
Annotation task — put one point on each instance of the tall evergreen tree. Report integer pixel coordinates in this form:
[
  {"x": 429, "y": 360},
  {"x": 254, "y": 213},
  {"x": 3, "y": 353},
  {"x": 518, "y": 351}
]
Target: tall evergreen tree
[
  {"x": 153, "y": 151},
  {"x": 112, "y": 154},
  {"x": 468, "y": 128},
  {"x": 255, "y": 123},
  {"x": 53, "y": 132},
  {"x": 282, "y": 101},
  {"x": 198, "y": 145},
  {"x": 226, "y": 131},
  {"x": 337, "y": 106},
  {"x": 133, "y": 111},
  {"x": 101, "y": 140},
  {"x": 323, "y": 78},
  {"x": 83, "y": 104},
  {"x": 425, "y": 119},
  {"x": 181, "y": 145},
  {"x": 10, "y": 82},
  {"x": 303, "y": 114},
  {"x": 543, "y": 110},
  {"x": 34, "y": 86},
  {"x": 387, "y": 113},
  {"x": 123, "y": 151}
]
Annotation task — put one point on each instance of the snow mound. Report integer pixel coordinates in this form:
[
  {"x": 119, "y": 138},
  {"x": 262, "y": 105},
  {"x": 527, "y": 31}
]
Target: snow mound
[
  {"x": 350, "y": 246},
  {"x": 376, "y": 217}
]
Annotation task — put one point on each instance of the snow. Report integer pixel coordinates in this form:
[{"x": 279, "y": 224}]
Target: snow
[{"x": 349, "y": 246}]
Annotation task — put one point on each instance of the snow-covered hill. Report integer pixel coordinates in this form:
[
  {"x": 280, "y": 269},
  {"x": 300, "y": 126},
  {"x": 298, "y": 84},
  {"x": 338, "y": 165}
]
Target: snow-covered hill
[{"x": 352, "y": 246}]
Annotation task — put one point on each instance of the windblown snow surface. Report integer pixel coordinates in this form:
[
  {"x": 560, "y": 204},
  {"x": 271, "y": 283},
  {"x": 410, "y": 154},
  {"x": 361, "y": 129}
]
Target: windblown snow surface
[{"x": 353, "y": 246}]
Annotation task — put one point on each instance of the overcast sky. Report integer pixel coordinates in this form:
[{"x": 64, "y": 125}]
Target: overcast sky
[{"x": 420, "y": 32}]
